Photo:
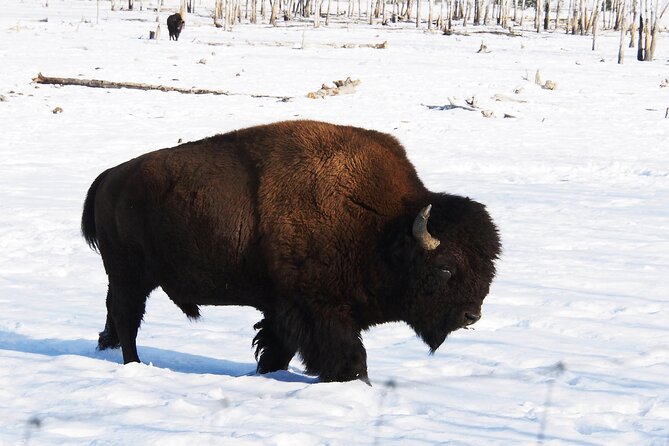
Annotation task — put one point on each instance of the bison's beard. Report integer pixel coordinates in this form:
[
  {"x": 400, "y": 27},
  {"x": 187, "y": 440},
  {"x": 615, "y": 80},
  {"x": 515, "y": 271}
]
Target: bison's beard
[
  {"x": 433, "y": 339},
  {"x": 434, "y": 334}
]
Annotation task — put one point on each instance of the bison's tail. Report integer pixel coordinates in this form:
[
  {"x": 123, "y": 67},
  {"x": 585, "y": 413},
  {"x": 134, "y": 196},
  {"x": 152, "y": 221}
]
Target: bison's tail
[{"x": 88, "y": 215}]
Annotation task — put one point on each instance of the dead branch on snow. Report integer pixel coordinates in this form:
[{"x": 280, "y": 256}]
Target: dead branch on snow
[
  {"x": 346, "y": 86},
  {"x": 97, "y": 83}
]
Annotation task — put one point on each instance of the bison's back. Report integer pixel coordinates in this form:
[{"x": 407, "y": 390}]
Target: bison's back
[{"x": 244, "y": 216}]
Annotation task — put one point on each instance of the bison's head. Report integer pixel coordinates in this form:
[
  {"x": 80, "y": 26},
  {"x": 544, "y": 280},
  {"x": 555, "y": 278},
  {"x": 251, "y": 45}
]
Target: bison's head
[{"x": 449, "y": 263}]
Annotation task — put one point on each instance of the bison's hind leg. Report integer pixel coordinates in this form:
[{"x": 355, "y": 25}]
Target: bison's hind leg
[
  {"x": 272, "y": 352},
  {"x": 126, "y": 302}
]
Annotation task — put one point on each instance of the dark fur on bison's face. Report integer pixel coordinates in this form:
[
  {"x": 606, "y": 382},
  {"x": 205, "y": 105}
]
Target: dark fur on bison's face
[{"x": 450, "y": 280}]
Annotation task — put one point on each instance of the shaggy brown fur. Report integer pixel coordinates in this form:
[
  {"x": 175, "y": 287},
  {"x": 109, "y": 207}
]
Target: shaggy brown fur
[{"x": 311, "y": 223}]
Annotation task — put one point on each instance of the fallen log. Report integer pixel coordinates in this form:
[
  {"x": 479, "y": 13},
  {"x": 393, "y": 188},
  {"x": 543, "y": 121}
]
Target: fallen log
[{"x": 97, "y": 83}]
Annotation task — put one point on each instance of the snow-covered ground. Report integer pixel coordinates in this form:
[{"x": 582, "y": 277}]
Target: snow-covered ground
[{"x": 574, "y": 341}]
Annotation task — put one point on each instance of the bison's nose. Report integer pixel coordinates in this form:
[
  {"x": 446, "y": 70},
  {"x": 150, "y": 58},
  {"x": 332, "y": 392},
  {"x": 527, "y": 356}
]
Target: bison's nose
[{"x": 471, "y": 317}]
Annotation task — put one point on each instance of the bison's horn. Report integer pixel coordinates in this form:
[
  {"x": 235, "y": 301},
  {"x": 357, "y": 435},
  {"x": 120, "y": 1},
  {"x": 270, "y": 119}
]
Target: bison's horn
[{"x": 420, "y": 230}]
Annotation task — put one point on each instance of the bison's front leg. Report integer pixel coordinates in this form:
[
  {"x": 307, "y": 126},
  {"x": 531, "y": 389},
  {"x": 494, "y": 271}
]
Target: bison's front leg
[{"x": 334, "y": 351}]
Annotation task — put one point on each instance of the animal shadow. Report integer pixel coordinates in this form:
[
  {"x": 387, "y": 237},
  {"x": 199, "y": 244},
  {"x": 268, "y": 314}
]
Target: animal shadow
[{"x": 167, "y": 359}]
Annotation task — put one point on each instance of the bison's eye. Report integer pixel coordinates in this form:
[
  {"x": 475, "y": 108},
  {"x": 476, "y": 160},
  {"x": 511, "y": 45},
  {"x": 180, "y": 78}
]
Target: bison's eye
[
  {"x": 445, "y": 272},
  {"x": 445, "y": 267}
]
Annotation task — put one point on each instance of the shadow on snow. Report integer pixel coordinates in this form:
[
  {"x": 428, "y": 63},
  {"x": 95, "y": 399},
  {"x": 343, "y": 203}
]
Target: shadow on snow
[{"x": 166, "y": 359}]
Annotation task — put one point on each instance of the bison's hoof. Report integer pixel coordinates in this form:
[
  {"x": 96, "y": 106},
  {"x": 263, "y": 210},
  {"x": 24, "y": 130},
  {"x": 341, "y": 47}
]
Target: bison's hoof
[
  {"x": 366, "y": 380},
  {"x": 107, "y": 340}
]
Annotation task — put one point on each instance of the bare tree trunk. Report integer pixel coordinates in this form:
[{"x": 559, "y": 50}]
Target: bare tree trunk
[
  {"x": 594, "y": 19},
  {"x": 635, "y": 11},
  {"x": 218, "y": 12},
  {"x": 595, "y": 25},
  {"x": 547, "y": 15},
  {"x": 537, "y": 16},
  {"x": 430, "y": 11},
  {"x": 620, "y": 10},
  {"x": 557, "y": 14},
  {"x": 440, "y": 23},
  {"x": 317, "y": 16},
  {"x": 654, "y": 29},
  {"x": 275, "y": 9},
  {"x": 500, "y": 11},
  {"x": 621, "y": 53},
  {"x": 653, "y": 40},
  {"x": 503, "y": 10},
  {"x": 646, "y": 31},
  {"x": 327, "y": 13},
  {"x": 639, "y": 51},
  {"x": 418, "y": 2},
  {"x": 656, "y": 26},
  {"x": 450, "y": 12}
]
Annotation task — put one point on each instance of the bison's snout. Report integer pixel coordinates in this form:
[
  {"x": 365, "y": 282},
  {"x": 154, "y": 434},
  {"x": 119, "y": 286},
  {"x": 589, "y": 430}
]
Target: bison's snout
[{"x": 471, "y": 317}]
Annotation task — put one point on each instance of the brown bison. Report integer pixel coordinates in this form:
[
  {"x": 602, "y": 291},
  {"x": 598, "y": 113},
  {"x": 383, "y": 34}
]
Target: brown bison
[
  {"x": 174, "y": 25},
  {"x": 326, "y": 229}
]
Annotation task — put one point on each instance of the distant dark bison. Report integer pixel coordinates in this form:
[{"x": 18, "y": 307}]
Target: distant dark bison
[
  {"x": 174, "y": 25},
  {"x": 326, "y": 229}
]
